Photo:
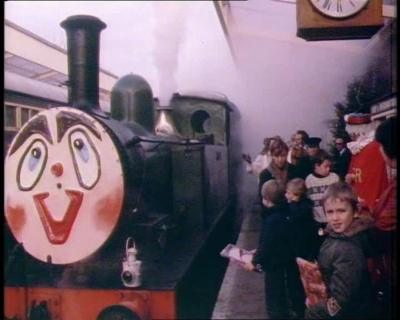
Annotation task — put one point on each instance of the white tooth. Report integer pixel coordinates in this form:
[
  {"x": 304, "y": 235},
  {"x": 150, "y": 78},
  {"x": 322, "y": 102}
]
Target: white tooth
[{"x": 57, "y": 205}]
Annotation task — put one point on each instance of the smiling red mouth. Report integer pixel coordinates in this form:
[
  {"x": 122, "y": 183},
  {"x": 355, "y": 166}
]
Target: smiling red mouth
[{"x": 58, "y": 231}]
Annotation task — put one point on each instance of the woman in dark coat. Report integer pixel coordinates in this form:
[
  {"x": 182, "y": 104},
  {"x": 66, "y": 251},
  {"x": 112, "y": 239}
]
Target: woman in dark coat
[{"x": 279, "y": 169}]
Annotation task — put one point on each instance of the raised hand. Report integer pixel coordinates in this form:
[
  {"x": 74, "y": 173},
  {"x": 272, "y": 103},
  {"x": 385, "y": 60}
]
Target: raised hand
[
  {"x": 246, "y": 157},
  {"x": 248, "y": 266}
]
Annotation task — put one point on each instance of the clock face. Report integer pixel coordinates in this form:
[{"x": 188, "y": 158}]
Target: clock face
[{"x": 339, "y": 8}]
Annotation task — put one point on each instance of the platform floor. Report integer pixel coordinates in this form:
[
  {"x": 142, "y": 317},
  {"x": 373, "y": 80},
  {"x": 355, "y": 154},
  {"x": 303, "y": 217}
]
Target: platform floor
[{"x": 242, "y": 292}]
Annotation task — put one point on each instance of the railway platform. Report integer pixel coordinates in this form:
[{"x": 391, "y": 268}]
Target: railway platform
[{"x": 242, "y": 292}]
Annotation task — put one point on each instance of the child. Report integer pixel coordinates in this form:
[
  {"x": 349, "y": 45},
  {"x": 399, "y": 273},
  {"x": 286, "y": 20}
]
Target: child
[
  {"x": 303, "y": 227},
  {"x": 318, "y": 181},
  {"x": 342, "y": 258},
  {"x": 275, "y": 256}
]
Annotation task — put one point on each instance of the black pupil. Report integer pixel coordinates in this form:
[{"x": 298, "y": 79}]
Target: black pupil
[
  {"x": 36, "y": 153},
  {"x": 78, "y": 143}
]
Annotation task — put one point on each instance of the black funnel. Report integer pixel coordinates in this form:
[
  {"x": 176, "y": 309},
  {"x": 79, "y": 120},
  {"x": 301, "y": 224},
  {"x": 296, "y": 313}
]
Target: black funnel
[{"x": 83, "y": 35}]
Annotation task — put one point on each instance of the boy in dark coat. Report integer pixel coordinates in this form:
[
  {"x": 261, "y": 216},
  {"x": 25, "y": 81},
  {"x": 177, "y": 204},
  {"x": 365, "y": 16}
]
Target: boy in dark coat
[
  {"x": 342, "y": 258},
  {"x": 276, "y": 257},
  {"x": 304, "y": 230}
]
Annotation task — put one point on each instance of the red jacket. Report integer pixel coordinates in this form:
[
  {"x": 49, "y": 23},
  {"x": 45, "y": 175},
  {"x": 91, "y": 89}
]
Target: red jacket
[
  {"x": 369, "y": 169},
  {"x": 385, "y": 212}
]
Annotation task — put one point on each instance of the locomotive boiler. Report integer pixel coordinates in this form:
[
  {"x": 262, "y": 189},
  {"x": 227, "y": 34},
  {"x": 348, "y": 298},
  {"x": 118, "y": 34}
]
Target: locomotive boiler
[{"x": 120, "y": 215}]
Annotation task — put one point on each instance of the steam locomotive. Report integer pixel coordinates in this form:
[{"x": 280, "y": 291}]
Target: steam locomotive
[{"x": 121, "y": 215}]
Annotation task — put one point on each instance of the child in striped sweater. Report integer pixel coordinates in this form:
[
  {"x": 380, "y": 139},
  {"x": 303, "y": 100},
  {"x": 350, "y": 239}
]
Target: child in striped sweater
[{"x": 318, "y": 181}]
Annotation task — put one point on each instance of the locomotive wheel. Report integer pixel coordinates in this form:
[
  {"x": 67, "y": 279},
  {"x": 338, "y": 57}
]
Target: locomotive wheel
[{"x": 118, "y": 313}]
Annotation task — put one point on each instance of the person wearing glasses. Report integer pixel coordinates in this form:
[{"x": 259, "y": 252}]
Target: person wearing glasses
[{"x": 341, "y": 158}]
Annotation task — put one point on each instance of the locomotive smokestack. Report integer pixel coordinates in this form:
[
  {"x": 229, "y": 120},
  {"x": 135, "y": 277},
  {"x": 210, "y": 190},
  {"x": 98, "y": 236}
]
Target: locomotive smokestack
[{"x": 83, "y": 33}]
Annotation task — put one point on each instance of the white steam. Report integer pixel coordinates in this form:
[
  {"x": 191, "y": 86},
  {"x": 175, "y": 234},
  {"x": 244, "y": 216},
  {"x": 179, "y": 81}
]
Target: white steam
[{"x": 169, "y": 32}]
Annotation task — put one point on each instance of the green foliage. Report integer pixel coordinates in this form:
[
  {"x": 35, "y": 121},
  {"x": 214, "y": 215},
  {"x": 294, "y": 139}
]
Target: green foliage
[
  {"x": 378, "y": 81},
  {"x": 375, "y": 83}
]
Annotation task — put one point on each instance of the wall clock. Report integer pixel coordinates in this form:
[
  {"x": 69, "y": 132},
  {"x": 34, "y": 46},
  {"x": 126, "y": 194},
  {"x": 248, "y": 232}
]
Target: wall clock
[
  {"x": 339, "y": 8},
  {"x": 338, "y": 19}
]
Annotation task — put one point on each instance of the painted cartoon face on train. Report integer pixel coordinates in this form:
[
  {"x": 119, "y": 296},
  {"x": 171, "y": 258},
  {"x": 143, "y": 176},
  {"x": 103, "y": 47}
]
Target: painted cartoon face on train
[{"x": 64, "y": 186}]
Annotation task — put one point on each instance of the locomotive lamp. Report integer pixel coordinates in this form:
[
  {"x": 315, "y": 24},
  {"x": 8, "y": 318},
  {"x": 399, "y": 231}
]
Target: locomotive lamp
[
  {"x": 338, "y": 19},
  {"x": 131, "y": 267}
]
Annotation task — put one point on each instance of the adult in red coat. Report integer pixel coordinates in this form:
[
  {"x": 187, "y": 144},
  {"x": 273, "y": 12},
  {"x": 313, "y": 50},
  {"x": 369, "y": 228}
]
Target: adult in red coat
[
  {"x": 367, "y": 171},
  {"x": 385, "y": 231}
]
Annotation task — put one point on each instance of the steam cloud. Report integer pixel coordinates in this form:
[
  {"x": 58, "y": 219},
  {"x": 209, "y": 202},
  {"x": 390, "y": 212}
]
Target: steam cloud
[{"x": 169, "y": 37}]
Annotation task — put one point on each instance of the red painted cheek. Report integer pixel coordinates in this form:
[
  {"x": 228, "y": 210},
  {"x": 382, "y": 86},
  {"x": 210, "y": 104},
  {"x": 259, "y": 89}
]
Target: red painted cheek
[
  {"x": 108, "y": 210},
  {"x": 16, "y": 217}
]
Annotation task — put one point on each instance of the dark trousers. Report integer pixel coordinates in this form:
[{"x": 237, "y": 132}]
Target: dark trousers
[
  {"x": 284, "y": 292},
  {"x": 383, "y": 270}
]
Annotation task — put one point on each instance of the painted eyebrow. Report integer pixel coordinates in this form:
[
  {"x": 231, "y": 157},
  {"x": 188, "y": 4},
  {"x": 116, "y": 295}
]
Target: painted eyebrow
[
  {"x": 66, "y": 120},
  {"x": 38, "y": 125}
]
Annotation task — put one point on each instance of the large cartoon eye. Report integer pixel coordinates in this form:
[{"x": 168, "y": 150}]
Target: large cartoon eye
[
  {"x": 31, "y": 165},
  {"x": 86, "y": 159}
]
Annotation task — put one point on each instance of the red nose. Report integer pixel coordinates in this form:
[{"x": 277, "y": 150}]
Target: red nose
[{"x": 57, "y": 169}]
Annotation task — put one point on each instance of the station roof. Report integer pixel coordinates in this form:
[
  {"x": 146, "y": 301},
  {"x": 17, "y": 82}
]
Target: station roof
[{"x": 30, "y": 56}]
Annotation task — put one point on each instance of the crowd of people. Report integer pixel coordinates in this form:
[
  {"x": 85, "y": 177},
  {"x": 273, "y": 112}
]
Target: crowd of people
[{"x": 337, "y": 209}]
